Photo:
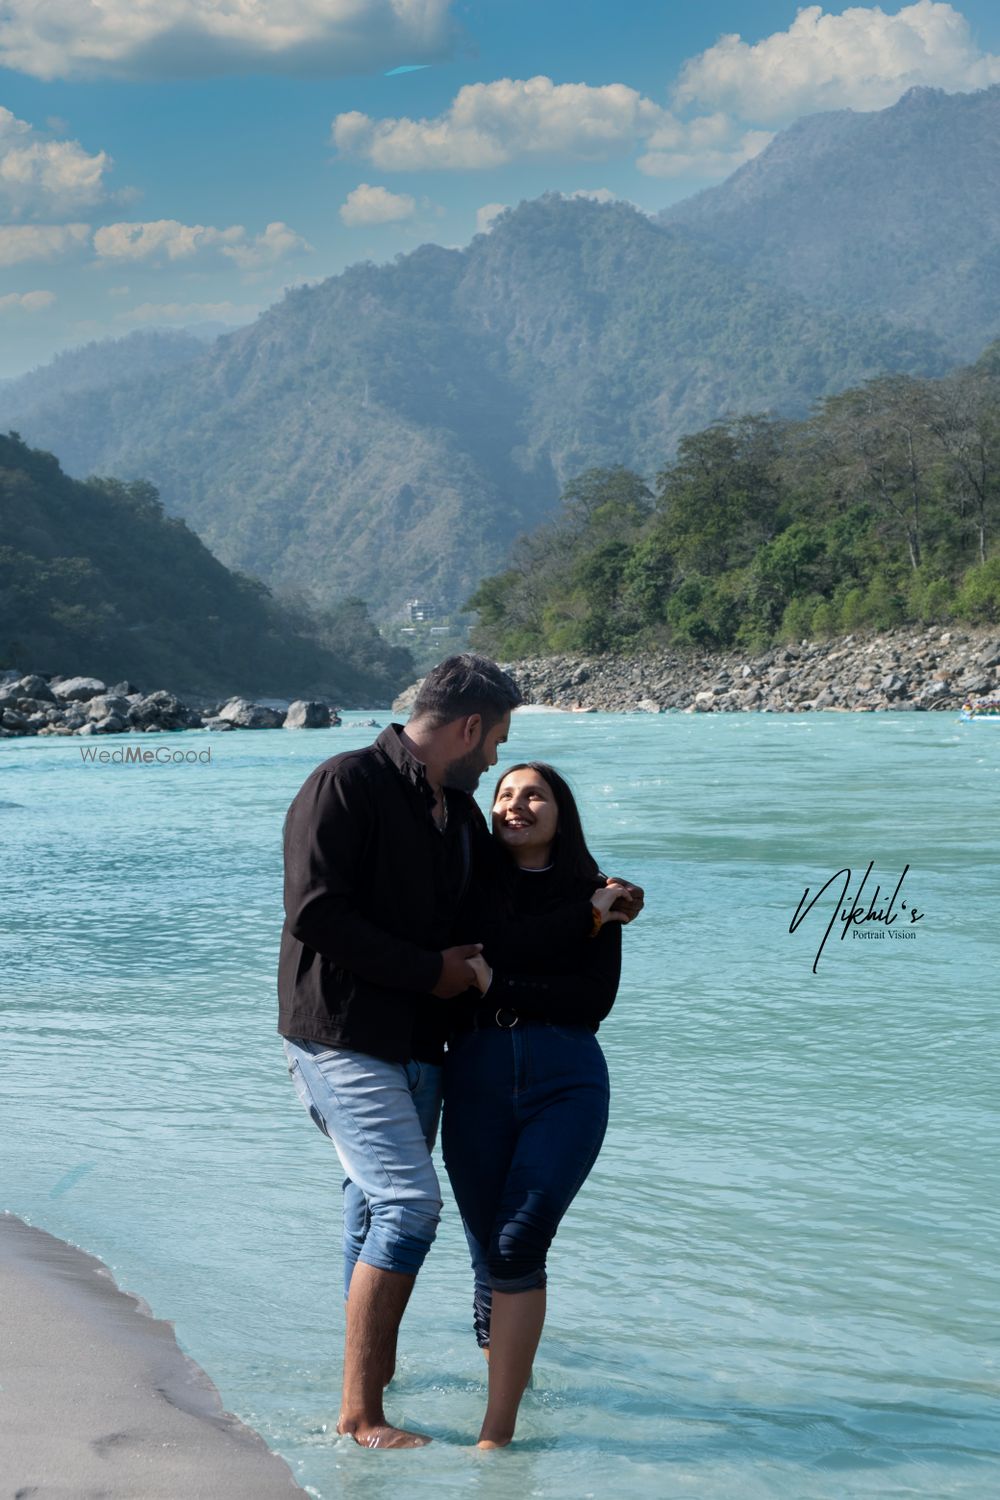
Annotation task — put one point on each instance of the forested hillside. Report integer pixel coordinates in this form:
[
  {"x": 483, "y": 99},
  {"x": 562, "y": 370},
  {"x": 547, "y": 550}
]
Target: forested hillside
[
  {"x": 95, "y": 579},
  {"x": 882, "y": 507}
]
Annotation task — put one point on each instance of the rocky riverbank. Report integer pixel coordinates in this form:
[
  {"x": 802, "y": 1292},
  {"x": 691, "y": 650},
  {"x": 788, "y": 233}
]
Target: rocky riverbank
[
  {"x": 908, "y": 669},
  {"x": 38, "y": 704}
]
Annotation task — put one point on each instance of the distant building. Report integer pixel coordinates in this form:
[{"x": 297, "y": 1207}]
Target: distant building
[{"x": 419, "y": 610}]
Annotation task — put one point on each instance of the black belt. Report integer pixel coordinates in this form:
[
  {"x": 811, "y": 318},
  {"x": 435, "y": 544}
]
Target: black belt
[{"x": 486, "y": 1017}]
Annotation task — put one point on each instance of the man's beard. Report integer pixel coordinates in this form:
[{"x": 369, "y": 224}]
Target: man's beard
[{"x": 464, "y": 774}]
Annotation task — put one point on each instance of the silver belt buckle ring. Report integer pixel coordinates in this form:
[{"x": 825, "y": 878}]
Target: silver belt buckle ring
[{"x": 513, "y": 1023}]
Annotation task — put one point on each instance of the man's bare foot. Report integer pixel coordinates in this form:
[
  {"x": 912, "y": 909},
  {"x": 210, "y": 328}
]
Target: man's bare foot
[
  {"x": 485, "y": 1442},
  {"x": 382, "y": 1435}
]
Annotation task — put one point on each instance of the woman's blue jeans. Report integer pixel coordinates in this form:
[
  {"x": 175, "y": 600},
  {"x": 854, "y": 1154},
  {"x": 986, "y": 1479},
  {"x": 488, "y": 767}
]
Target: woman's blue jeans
[{"x": 525, "y": 1111}]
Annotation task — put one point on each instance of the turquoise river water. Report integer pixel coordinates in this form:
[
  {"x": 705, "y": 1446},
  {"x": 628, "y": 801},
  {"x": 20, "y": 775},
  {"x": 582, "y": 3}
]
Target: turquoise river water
[{"x": 781, "y": 1278}]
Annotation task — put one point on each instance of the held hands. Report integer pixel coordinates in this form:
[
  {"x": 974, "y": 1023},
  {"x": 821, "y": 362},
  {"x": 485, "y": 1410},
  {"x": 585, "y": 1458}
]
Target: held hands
[
  {"x": 618, "y": 901},
  {"x": 484, "y": 974},
  {"x": 458, "y": 970}
]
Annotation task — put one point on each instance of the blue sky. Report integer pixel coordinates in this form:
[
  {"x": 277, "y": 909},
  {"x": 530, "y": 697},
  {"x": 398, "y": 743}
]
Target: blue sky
[{"x": 181, "y": 165}]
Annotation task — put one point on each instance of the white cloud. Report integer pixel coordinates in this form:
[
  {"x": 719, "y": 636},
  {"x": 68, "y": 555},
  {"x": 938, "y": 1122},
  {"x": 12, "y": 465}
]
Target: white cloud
[
  {"x": 486, "y": 216},
  {"x": 861, "y": 59},
  {"x": 31, "y": 242},
  {"x": 268, "y": 248},
  {"x": 42, "y": 177},
  {"x": 26, "y": 301},
  {"x": 490, "y": 124},
  {"x": 185, "y": 312},
  {"x": 169, "y": 240},
  {"x": 375, "y": 205},
  {"x": 201, "y": 38},
  {"x": 707, "y": 146}
]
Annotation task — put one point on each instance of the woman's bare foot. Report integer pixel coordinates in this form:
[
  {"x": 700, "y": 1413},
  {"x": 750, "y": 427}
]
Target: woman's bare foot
[
  {"x": 498, "y": 1442},
  {"x": 382, "y": 1435}
]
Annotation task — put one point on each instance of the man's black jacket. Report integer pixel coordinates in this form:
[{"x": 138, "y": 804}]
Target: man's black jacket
[{"x": 372, "y": 889}]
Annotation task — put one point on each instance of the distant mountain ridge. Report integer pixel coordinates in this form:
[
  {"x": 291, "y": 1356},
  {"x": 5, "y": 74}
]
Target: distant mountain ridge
[
  {"x": 389, "y": 431},
  {"x": 894, "y": 212}
]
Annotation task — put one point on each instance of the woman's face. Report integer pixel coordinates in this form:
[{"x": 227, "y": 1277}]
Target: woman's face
[{"x": 525, "y": 817}]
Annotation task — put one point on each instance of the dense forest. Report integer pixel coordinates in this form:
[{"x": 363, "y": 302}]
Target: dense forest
[
  {"x": 94, "y": 578},
  {"x": 883, "y": 506}
]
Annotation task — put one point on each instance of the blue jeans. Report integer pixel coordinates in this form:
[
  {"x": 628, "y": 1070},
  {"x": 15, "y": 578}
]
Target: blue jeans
[
  {"x": 525, "y": 1111},
  {"x": 425, "y": 1088},
  {"x": 368, "y": 1110}
]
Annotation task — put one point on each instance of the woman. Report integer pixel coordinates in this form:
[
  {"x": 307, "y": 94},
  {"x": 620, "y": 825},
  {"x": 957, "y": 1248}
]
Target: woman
[{"x": 526, "y": 1084}]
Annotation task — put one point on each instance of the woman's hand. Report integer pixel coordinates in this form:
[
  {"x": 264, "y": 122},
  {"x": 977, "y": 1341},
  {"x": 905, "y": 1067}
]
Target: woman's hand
[
  {"x": 483, "y": 973},
  {"x": 629, "y": 901},
  {"x": 603, "y": 900}
]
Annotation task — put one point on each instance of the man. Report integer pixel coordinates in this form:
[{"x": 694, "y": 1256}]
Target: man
[
  {"x": 380, "y": 845},
  {"x": 378, "y": 852}
]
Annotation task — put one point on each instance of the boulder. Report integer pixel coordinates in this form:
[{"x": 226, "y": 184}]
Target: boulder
[
  {"x": 108, "y": 703},
  {"x": 215, "y": 723},
  {"x": 162, "y": 710},
  {"x": 78, "y": 689},
  {"x": 11, "y": 719},
  {"x": 123, "y": 690},
  {"x": 111, "y": 724},
  {"x": 245, "y": 715},
  {"x": 303, "y": 714},
  {"x": 36, "y": 687},
  {"x": 648, "y": 706}
]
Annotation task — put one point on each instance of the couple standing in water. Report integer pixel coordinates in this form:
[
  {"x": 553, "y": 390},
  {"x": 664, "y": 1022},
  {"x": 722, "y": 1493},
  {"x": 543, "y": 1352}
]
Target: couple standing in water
[{"x": 423, "y": 955}]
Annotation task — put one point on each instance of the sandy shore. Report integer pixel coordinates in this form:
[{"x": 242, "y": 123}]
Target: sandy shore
[{"x": 96, "y": 1397}]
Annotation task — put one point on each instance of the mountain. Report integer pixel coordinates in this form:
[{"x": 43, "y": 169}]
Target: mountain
[
  {"x": 893, "y": 213},
  {"x": 103, "y": 362},
  {"x": 95, "y": 579},
  {"x": 389, "y": 431}
]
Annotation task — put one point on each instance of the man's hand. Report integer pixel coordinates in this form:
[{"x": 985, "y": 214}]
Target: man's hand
[
  {"x": 457, "y": 972},
  {"x": 629, "y": 901}
]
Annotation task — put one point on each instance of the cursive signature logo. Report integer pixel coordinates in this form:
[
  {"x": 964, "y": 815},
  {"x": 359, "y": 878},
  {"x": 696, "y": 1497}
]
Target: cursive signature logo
[{"x": 852, "y": 911}]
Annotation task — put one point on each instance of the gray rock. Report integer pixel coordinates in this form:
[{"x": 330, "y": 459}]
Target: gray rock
[
  {"x": 991, "y": 656},
  {"x": 778, "y": 677},
  {"x": 892, "y": 685},
  {"x": 361, "y": 724},
  {"x": 108, "y": 703},
  {"x": 976, "y": 682},
  {"x": 648, "y": 706},
  {"x": 9, "y": 674},
  {"x": 303, "y": 714},
  {"x": 162, "y": 710},
  {"x": 215, "y": 723},
  {"x": 111, "y": 724},
  {"x": 79, "y": 689},
  {"x": 36, "y": 687},
  {"x": 89, "y": 728},
  {"x": 11, "y": 719},
  {"x": 123, "y": 690},
  {"x": 245, "y": 715}
]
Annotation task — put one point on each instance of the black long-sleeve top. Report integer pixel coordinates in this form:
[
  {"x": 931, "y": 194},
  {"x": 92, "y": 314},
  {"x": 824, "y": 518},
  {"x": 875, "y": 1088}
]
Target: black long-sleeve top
[
  {"x": 372, "y": 891},
  {"x": 561, "y": 974}
]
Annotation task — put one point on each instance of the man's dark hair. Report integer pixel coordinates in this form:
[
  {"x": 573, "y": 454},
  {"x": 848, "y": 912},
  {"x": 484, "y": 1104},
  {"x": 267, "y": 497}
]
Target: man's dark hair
[{"x": 463, "y": 685}]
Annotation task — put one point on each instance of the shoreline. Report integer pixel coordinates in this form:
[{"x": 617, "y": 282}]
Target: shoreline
[
  {"x": 99, "y": 1397},
  {"x": 935, "y": 668}
]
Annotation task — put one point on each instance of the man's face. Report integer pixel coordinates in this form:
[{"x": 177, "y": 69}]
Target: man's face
[{"x": 463, "y": 773}]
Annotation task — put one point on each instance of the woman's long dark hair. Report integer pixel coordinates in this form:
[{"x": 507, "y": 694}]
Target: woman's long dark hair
[{"x": 570, "y": 856}]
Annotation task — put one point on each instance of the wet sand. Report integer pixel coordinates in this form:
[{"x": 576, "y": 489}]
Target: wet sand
[{"x": 97, "y": 1398}]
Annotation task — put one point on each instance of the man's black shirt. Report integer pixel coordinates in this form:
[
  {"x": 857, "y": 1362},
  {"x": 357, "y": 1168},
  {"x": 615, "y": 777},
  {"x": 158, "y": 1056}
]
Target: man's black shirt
[{"x": 371, "y": 890}]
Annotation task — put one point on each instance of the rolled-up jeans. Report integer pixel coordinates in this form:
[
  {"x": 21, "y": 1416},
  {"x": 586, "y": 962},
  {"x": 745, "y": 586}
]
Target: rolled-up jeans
[
  {"x": 367, "y": 1107},
  {"x": 525, "y": 1112}
]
